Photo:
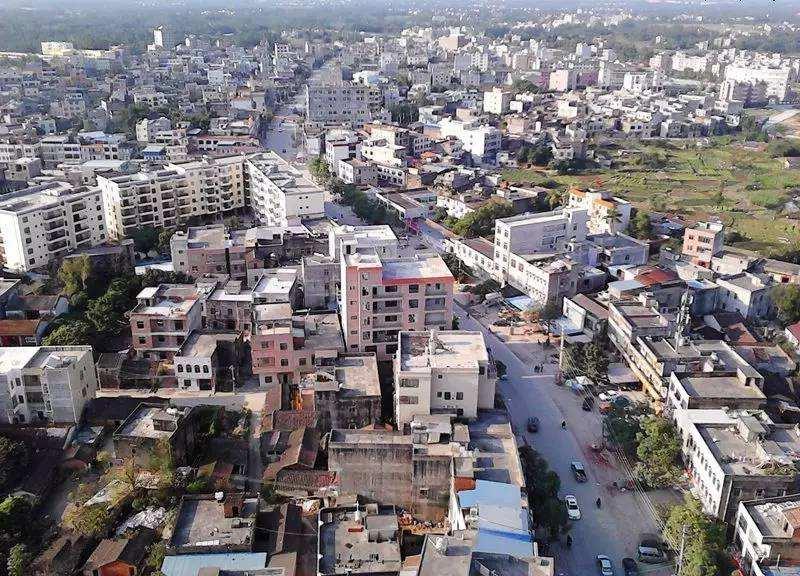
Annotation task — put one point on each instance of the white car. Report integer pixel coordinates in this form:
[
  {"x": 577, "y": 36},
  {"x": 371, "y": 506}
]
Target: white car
[
  {"x": 573, "y": 510},
  {"x": 604, "y": 565}
]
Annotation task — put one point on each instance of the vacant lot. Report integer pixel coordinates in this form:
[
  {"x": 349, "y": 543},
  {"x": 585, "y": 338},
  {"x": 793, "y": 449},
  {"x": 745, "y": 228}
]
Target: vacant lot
[{"x": 735, "y": 181}]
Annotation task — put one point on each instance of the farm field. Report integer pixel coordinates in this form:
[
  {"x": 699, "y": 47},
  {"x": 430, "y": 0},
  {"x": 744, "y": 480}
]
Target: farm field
[{"x": 735, "y": 181}]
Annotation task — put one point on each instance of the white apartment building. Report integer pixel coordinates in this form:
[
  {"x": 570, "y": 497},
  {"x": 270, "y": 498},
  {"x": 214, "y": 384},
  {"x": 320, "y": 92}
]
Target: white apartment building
[
  {"x": 217, "y": 184},
  {"x": 46, "y": 384},
  {"x": 496, "y": 101},
  {"x": 12, "y": 150},
  {"x": 541, "y": 233},
  {"x": 446, "y": 372},
  {"x": 607, "y": 214},
  {"x": 146, "y": 129},
  {"x": 44, "y": 223},
  {"x": 279, "y": 193},
  {"x": 161, "y": 199},
  {"x": 338, "y": 103},
  {"x": 482, "y": 141},
  {"x": 776, "y": 79}
]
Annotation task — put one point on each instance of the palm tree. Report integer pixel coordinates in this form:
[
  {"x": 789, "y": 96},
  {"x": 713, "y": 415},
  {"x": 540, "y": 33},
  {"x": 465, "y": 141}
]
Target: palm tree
[{"x": 614, "y": 217}]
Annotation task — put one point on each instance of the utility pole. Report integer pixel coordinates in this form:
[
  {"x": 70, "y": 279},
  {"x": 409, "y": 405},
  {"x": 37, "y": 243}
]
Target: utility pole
[{"x": 680, "y": 552}]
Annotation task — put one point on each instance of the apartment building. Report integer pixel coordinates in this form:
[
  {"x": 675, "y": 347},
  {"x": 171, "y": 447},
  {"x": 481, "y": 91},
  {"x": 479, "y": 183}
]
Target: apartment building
[
  {"x": 446, "y": 372},
  {"x": 44, "y": 223},
  {"x": 767, "y": 531},
  {"x": 776, "y": 79},
  {"x": 46, "y": 384},
  {"x": 342, "y": 103},
  {"x": 161, "y": 199},
  {"x": 541, "y": 233},
  {"x": 481, "y": 141},
  {"x": 279, "y": 194},
  {"x": 746, "y": 293},
  {"x": 737, "y": 456},
  {"x": 163, "y": 318},
  {"x": 384, "y": 296},
  {"x": 203, "y": 250},
  {"x": 228, "y": 306},
  {"x": 284, "y": 345},
  {"x": 497, "y": 101},
  {"x": 703, "y": 241},
  {"x": 217, "y": 184},
  {"x": 606, "y": 213},
  {"x": 413, "y": 143}
]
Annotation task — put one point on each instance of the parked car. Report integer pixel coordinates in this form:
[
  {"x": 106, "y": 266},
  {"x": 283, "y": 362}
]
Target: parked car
[
  {"x": 578, "y": 471},
  {"x": 573, "y": 510},
  {"x": 630, "y": 567},
  {"x": 588, "y": 404},
  {"x": 651, "y": 555},
  {"x": 604, "y": 565},
  {"x": 533, "y": 424}
]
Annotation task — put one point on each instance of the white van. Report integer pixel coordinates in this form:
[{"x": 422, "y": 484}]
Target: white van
[{"x": 650, "y": 555}]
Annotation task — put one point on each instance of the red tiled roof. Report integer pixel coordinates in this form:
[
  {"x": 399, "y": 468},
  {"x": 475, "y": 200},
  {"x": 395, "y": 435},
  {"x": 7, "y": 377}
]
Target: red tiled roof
[
  {"x": 306, "y": 479},
  {"x": 19, "y": 327},
  {"x": 794, "y": 330},
  {"x": 656, "y": 276}
]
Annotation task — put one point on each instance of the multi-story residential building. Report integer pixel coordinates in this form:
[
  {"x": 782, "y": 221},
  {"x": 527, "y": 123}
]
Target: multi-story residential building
[
  {"x": 161, "y": 199},
  {"x": 746, "y": 293},
  {"x": 279, "y": 194},
  {"x": 606, "y": 213},
  {"x": 480, "y": 140},
  {"x": 382, "y": 296},
  {"x": 544, "y": 233},
  {"x": 737, "y": 456},
  {"x": 496, "y": 101},
  {"x": 205, "y": 359},
  {"x": 476, "y": 253},
  {"x": 46, "y": 384},
  {"x": 320, "y": 281},
  {"x": 446, "y": 372},
  {"x": 285, "y": 346},
  {"x": 413, "y": 143},
  {"x": 341, "y": 103},
  {"x": 44, "y": 223},
  {"x": 163, "y": 318},
  {"x": 775, "y": 78},
  {"x": 703, "y": 390},
  {"x": 211, "y": 250},
  {"x": 703, "y": 241},
  {"x": 229, "y": 306},
  {"x": 358, "y": 172},
  {"x": 766, "y": 535},
  {"x": 217, "y": 184}
]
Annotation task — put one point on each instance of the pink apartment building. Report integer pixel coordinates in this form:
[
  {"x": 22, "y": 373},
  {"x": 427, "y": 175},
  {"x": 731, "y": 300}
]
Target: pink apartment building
[
  {"x": 702, "y": 241},
  {"x": 163, "y": 318},
  {"x": 380, "y": 298},
  {"x": 211, "y": 250},
  {"x": 285, "y": 346}
]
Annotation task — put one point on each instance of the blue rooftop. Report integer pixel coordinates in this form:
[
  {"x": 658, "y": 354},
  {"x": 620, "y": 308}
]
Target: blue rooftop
[{"x": 190, "y": 564}]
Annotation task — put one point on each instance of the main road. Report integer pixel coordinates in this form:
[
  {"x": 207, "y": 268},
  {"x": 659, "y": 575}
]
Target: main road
[{"x": 615, "y": 528}]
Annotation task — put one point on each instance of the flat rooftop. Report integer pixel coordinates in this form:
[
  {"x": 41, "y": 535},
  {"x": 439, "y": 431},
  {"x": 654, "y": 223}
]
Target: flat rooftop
[
  {"x": 420, "y": 267},
  {"x": 720, "y": 387},
  {"x": 202, "y": 522},
  {"x": 454, "y": 561},
  {"x": 351, "y": 376},
  {"x": 772, "y": 518},
  {"x": 204, "y": 344},
  {"x": 347, "y": 436},
  {"x": 150, "y": 422},
  {"x": 739, "y": 457},
  {"x": 442, "y": 349},
  {"x": 348, "y": 542}
]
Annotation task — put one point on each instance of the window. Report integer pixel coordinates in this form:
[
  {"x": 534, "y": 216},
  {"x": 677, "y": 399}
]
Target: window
[
  {"x": 413, "y": 303},
  {"x": 459, "y": 395},
  {"x": 408, "y": 400},
  {"x": 409, "y": 383},
  {"x": 142, "y": 339},
  {"x": 205, "y": 369},
  {"x": 413, "y": 288},
  {"x": 284, "y": 362},
  {"x": 438, "y": 394},
  {"x": 283, "y": 346},
  {"x": 302, "y": 361},
  {"x": 180, "y": 368},
  {"x": 447, "y": 396},
  {"x": 197, "y": 369},
  {"x": 140, "y": 324},
  {"x": 481, "y": 370}
]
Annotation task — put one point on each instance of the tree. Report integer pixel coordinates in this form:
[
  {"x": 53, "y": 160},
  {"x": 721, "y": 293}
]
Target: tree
[
  {"x": 458, "y": 269},
  {"x": 595, "y": 363},
  {"x": 92, "y": 521},
  {"x": 74, "y": 274},
  {"x": 547, "y": 511},
  {"x": 319, "y": 169},
  {"x": 555, "y": 198},
  {"x": 164, "y": 236},
  {"x": 404, "y": 113},
  {"x": 439, "y": 214},
  {"x": 640, "y": 226},
  {"x": 621, "y": 427},
  {"x": 658, "y": 451},
  {"x": 613, "y": 217},
  {"x": 481, "y": 221},
  {"x": 550, "y": 311},
  {"x": 659, "y": 202},
  {"x": 718, "y": 199},
  {"x": 14, "y": 458},
  {"x": 72, "y": 332},
  {"x": 704, "y": 541},
  {"x": 786, "y": 298},
  {"x": 14, "y": 515},
  {"x": 18, "y": 560},
  {"x": 540, "y": 155},
  {"x": 145, "y": 239}
]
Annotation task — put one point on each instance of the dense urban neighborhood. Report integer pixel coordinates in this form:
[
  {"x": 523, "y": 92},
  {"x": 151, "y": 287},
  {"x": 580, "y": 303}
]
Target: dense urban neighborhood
[{"x": 342, "y": 289}]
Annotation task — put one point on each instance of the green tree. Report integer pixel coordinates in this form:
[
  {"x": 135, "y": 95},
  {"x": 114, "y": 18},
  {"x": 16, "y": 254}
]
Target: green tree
[
  {"x": 164, "y": 236},
  {"x": 75, "y": 273},
  {"x": 458, "y": 269},
  {"x": 549, "y": 312},
  {"x": 156, "y": 554},
  {"x": 14, "y": 515},
  {"x": 704, "y": 551},
  {"x": 621, "y": 427},
  {"x": 404, "y": 113},
  {"x": 595, "y": 363},
  {"x": 555, "y": 198},
  {"x": 18, "y": 558},
  {"x": 145, "y": 239},
  {"x": 14, "y": 458},
  {"x": 547, "y": 511},
  {"x": 319, "y": 169},
  {"x": 658, "y": 451},
  {"x": 92, "y": 521},
  {"x": 786, "y": 298},
  {"x": 481, "y": 221},
  {"x": 640, "y": 226},
  {"x": 72, "y": 332}
]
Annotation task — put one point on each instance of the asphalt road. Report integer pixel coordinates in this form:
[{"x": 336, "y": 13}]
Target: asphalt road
[{"x": 615, "y": 528}]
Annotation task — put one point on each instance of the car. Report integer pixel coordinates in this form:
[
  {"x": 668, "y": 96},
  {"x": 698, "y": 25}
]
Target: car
[
  {"x": 573, "y": 510},
  {"x": 630, "y": 567},
  {"x": 588, "y": 404},
  {"x": 533, "y": 424},
  {"x": 604, "y": 565},
  {"x": 578, "y": 471},
  {"x": 608, "y": 395}
]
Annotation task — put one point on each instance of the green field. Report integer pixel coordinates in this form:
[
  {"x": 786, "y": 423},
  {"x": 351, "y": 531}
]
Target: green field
[{"x": 687, "y": 180}]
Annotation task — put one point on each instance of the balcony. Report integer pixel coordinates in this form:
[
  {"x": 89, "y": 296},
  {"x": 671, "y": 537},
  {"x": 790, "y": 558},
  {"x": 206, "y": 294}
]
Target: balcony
[
  {"x": 432, "y": 290},
  {"x": 55, "y": 235},
  {"x": 435, "y": 304},
  {"x": 379, "y": 322}
]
